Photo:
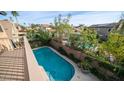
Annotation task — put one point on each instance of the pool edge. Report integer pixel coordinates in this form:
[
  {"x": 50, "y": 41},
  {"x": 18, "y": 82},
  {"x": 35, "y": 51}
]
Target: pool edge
[{"x": 64, "y": 57}]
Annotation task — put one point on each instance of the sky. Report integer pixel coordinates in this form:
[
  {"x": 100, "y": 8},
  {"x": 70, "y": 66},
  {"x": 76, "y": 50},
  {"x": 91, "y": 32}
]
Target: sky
[{"x": 77, "y": 17}]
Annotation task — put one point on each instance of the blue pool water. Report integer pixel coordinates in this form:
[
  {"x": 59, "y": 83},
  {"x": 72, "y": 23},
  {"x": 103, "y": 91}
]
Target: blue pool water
[{"x": 56, "y": 67}]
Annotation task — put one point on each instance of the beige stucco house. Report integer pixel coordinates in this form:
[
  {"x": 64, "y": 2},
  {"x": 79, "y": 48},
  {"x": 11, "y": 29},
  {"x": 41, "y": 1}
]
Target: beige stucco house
[{"x": 8, "y": 34}]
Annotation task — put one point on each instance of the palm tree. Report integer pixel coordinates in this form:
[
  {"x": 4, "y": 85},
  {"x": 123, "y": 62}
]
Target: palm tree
[
  {"x": 15, "y": 14},
  {"x": 11, "y": 19},
  {"x": 3, "y": 13}
]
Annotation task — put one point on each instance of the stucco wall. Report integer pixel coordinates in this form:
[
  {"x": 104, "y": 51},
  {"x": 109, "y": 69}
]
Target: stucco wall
[
  {"x": 79, "y": 55},
  {"x": 36, "y": 73},
  {"x": 4, "y": 41}
]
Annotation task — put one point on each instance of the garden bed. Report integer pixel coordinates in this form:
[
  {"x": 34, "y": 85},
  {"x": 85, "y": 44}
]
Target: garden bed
[{"x": 103, "y": 70}]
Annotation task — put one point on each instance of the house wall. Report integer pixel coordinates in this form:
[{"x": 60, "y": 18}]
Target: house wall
[
  {"x": 79, "y": 55},
  {"x": 15, "y": 33},
  {"x": 9, "y": 34},
  {"x": 5, "y": 43},
  {"x": 9, "y": 28},
  {"x": 103, "y": 32}
]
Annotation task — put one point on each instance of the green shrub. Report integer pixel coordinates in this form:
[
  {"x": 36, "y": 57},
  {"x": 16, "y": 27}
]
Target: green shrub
[
  {"x": 100, "y": 58},
  {"x": 88, "y": 59},
  {"x": 108, "y": 66},
  {"x": 35, "y": 44},
  {"x": 120, "y": 73},
  {"x": 121, "y": 63},
  {"x": 35, "y": 35},
  {"x": 96, "y": 73},
  {"x": 85, "y": 65}
]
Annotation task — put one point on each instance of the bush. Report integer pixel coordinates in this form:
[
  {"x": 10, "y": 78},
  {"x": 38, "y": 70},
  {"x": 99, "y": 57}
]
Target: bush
[
  {"x": 39, "y": 35},
  {"x": 96, "y": 73},
  {"x": 35, "y": 44},
  {"x": 88, "y": 59},
  {"x": 85, "y": 65},
  {"x": 120, "y": 73},
  {"x": 108, "y": 66}
]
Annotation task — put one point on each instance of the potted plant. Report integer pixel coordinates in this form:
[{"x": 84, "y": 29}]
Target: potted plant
[{"x": 85, "y": 67}]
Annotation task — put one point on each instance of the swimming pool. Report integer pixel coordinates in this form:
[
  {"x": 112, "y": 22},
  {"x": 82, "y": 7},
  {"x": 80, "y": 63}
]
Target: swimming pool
[{"x": 57, "y": 68}]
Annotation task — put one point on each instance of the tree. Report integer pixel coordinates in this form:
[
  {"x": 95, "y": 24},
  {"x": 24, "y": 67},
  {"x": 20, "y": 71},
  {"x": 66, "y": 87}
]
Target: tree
[
  {"x": 88, "y": 38},
  {"x": 73, "y": 40},
  {"x": 115, "y": 46},
  {"x": 3, "y": 13},
  {"x": 15, "y": 14},
  {"x": 39, "y": 35},
  {"x": 62, "y": 26}
]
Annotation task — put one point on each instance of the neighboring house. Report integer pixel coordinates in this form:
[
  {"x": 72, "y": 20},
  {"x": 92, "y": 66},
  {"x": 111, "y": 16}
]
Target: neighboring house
[
  {"x": 21, "y": 30},
  {"x": 78, "y": 28},
  {"x": 104, "y": 29},
  {"x": 22, "y": 33},
  {"x": 47, "y": 27},
  {"x": 8, "y": 34}
]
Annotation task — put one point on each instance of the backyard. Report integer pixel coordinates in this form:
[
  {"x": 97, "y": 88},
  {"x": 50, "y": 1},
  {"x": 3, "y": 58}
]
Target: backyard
[{"x": 91, "y": 54}]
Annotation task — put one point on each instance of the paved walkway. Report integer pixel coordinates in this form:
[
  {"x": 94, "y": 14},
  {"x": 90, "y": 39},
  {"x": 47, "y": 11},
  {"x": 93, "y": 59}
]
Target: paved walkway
[
  {"x": 13, "y": 65},
  {"x": 80, "y": 76}
]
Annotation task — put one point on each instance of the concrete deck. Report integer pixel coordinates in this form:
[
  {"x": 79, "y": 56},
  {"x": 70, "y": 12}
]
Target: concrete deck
[{"x": 13, "y": 66}]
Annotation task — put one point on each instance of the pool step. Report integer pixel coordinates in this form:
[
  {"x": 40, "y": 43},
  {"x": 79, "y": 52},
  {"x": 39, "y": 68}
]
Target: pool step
[{"x": 50, "y": 76}]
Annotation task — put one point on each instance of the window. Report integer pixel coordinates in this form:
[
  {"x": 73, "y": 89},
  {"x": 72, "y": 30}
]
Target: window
[{"x": 1, "y": 30}]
